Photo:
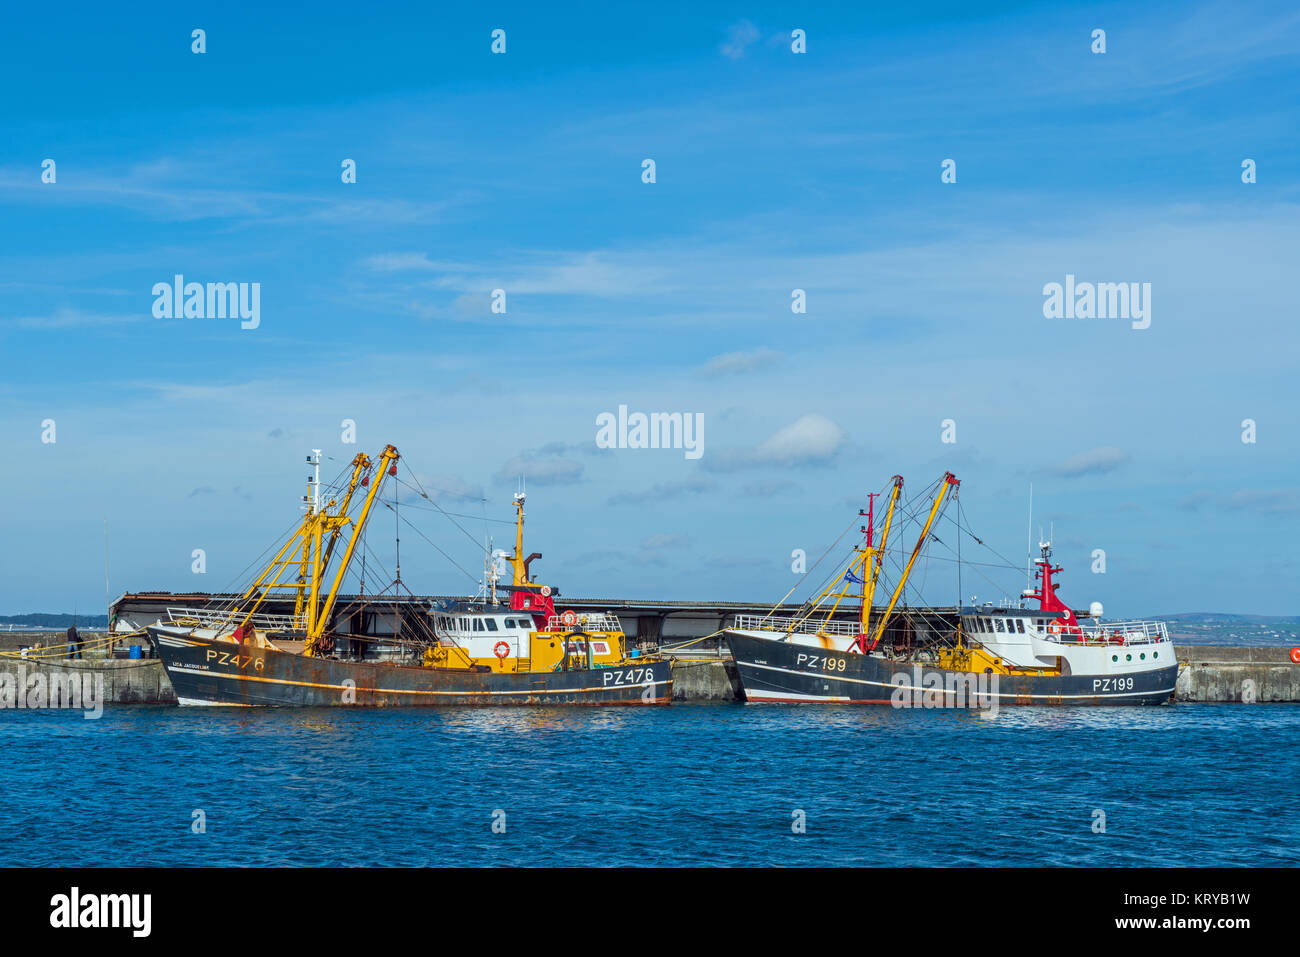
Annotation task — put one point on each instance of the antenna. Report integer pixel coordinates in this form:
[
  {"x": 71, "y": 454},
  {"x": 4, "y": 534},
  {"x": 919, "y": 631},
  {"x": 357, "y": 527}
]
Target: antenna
[
  {"x": 397, "y": 539},
  {"x": 1029, "y": 540},
  {"x": 108, "y": 596}
]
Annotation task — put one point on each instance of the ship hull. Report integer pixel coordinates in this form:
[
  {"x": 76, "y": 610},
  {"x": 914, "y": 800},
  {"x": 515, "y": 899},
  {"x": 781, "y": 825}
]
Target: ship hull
[
  {"x": 207, "y": 672},
  {"x": 779, "y": 671}
]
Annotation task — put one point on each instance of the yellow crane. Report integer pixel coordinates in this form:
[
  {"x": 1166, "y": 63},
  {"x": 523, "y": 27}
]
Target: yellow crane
[
  {"x": 949, "y": 481},
  {"x": 872, "y": 560},
  {"x": 308, "y": 551}
]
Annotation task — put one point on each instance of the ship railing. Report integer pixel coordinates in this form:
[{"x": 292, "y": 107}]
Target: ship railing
[
  {"x": 1114, "y": 633},
  {"x": 220, "y": 619},
  {"x": 800, "y": 626},
  {"x": 586, "y": 621}
]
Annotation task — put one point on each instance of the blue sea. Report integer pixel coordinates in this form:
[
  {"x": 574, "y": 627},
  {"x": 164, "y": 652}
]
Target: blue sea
[{"x": 690, "y": 784}]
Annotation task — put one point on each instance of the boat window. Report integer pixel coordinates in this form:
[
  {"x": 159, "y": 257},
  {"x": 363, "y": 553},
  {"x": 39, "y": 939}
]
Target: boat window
[
  {"x": 464, "y": 624},
  {"x": 491, "y": 624},
  {"x": 1001, "y": 625},
  {"x": 509, "y": 622},
  {"x": 1020, "y": 625},
  {"x": 478, "y": 624}
]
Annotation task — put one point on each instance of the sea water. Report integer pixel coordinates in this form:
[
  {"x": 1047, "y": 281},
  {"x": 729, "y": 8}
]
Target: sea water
[{"x": 688, "y": 784}]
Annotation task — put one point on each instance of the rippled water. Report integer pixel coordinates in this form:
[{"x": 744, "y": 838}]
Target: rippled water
[{"x": 688, "y": 784}]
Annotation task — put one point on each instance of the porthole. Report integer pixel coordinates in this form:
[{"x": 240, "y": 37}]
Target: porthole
[
  {"x": 1128, "y": 657},
  {"x": 1143, "y": 656},
  {"x": 1155, "y": 654},
  {"x": 1114, "y": 657}
]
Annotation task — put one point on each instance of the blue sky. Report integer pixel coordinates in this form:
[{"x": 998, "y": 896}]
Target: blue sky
[{"x": 774, "y": 171}]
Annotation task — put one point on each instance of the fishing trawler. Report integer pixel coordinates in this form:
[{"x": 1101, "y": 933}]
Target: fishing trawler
[
  {"x": 483, "y": 651},
  {"x": 972, "y": 655}
]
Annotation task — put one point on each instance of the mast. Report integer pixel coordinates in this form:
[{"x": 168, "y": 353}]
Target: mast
[
  {"x": 863, "y": 612},
  {"x": 307, "y": 549},
  {"x": 1046, "y": 592},
  {"x": 387, "y": 466},
  {"x": 517, "y": 560},
  {"x": 878, "y": 558},
  {"x": 949, "y": 481}
]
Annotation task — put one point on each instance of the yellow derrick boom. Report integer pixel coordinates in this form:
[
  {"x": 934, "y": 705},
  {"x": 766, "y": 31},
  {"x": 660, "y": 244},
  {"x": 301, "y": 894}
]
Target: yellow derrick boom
[
  {"x": 949, "y": 481},
  {"x": 311, "y": 549}
]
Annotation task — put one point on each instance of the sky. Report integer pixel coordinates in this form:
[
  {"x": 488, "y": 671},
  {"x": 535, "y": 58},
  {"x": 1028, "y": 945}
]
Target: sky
[{"x": 924, "y": 346}]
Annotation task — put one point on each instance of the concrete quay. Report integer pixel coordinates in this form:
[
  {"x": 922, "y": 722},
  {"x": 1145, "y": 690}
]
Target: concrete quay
[{"x": 1206, "y": 674}]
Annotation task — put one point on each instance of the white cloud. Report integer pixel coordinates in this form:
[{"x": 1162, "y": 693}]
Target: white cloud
[{"x": 808, "y": 440}]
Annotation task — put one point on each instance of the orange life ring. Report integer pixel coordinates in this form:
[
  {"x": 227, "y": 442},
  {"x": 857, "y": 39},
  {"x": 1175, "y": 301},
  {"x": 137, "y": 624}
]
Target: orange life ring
[
  {"x": 569, "y": 618},
  {"x": 501, "y": 649},
  {"x": 1054, "y": 627}
]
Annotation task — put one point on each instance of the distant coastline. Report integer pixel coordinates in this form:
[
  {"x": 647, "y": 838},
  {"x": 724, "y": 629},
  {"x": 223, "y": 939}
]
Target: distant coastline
[{"x": 50, "y": 620}]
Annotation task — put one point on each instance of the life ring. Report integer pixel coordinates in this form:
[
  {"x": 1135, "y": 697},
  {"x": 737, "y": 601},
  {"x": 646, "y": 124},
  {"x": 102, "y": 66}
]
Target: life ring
[
  {"x": 569, "y": 618},
  {"x": 1295, "y": 655},
  {"x": 1054, "y": 627},
  {"x": 501, "y": 649},
  {"x": 546, "y": 591}
]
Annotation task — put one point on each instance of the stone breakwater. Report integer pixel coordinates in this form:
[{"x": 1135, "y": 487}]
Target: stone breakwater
[{"x": 1206, "y": 673}]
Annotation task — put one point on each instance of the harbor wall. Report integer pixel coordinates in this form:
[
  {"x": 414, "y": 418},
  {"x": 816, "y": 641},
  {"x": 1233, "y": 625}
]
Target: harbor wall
[
  {"x": 705, "y": 680},
  {"x": 126, "y": 681},
  {"x": 1210, "y": 673},
  {"x": 1206, "y": 674}
]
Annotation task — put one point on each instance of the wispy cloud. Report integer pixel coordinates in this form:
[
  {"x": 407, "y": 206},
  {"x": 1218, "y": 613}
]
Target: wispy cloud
[
  {"x": 1269, "y": 501},
  {"x": 740, "y": 37},
  {"x": 663, "y": 491},
  {"x": 736, "y": 363},
  {"x": 1096, "y": 461},
  {"x": 767, "y": 489},
  {"x": 67, "y": 318},
  {"x": 540, "y": 469}
]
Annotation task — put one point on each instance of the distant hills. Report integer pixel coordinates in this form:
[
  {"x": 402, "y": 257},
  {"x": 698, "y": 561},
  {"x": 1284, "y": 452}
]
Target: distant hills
[
  {"x": 1210, "y": 617},
  {"x": 42, "y": 619}
]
